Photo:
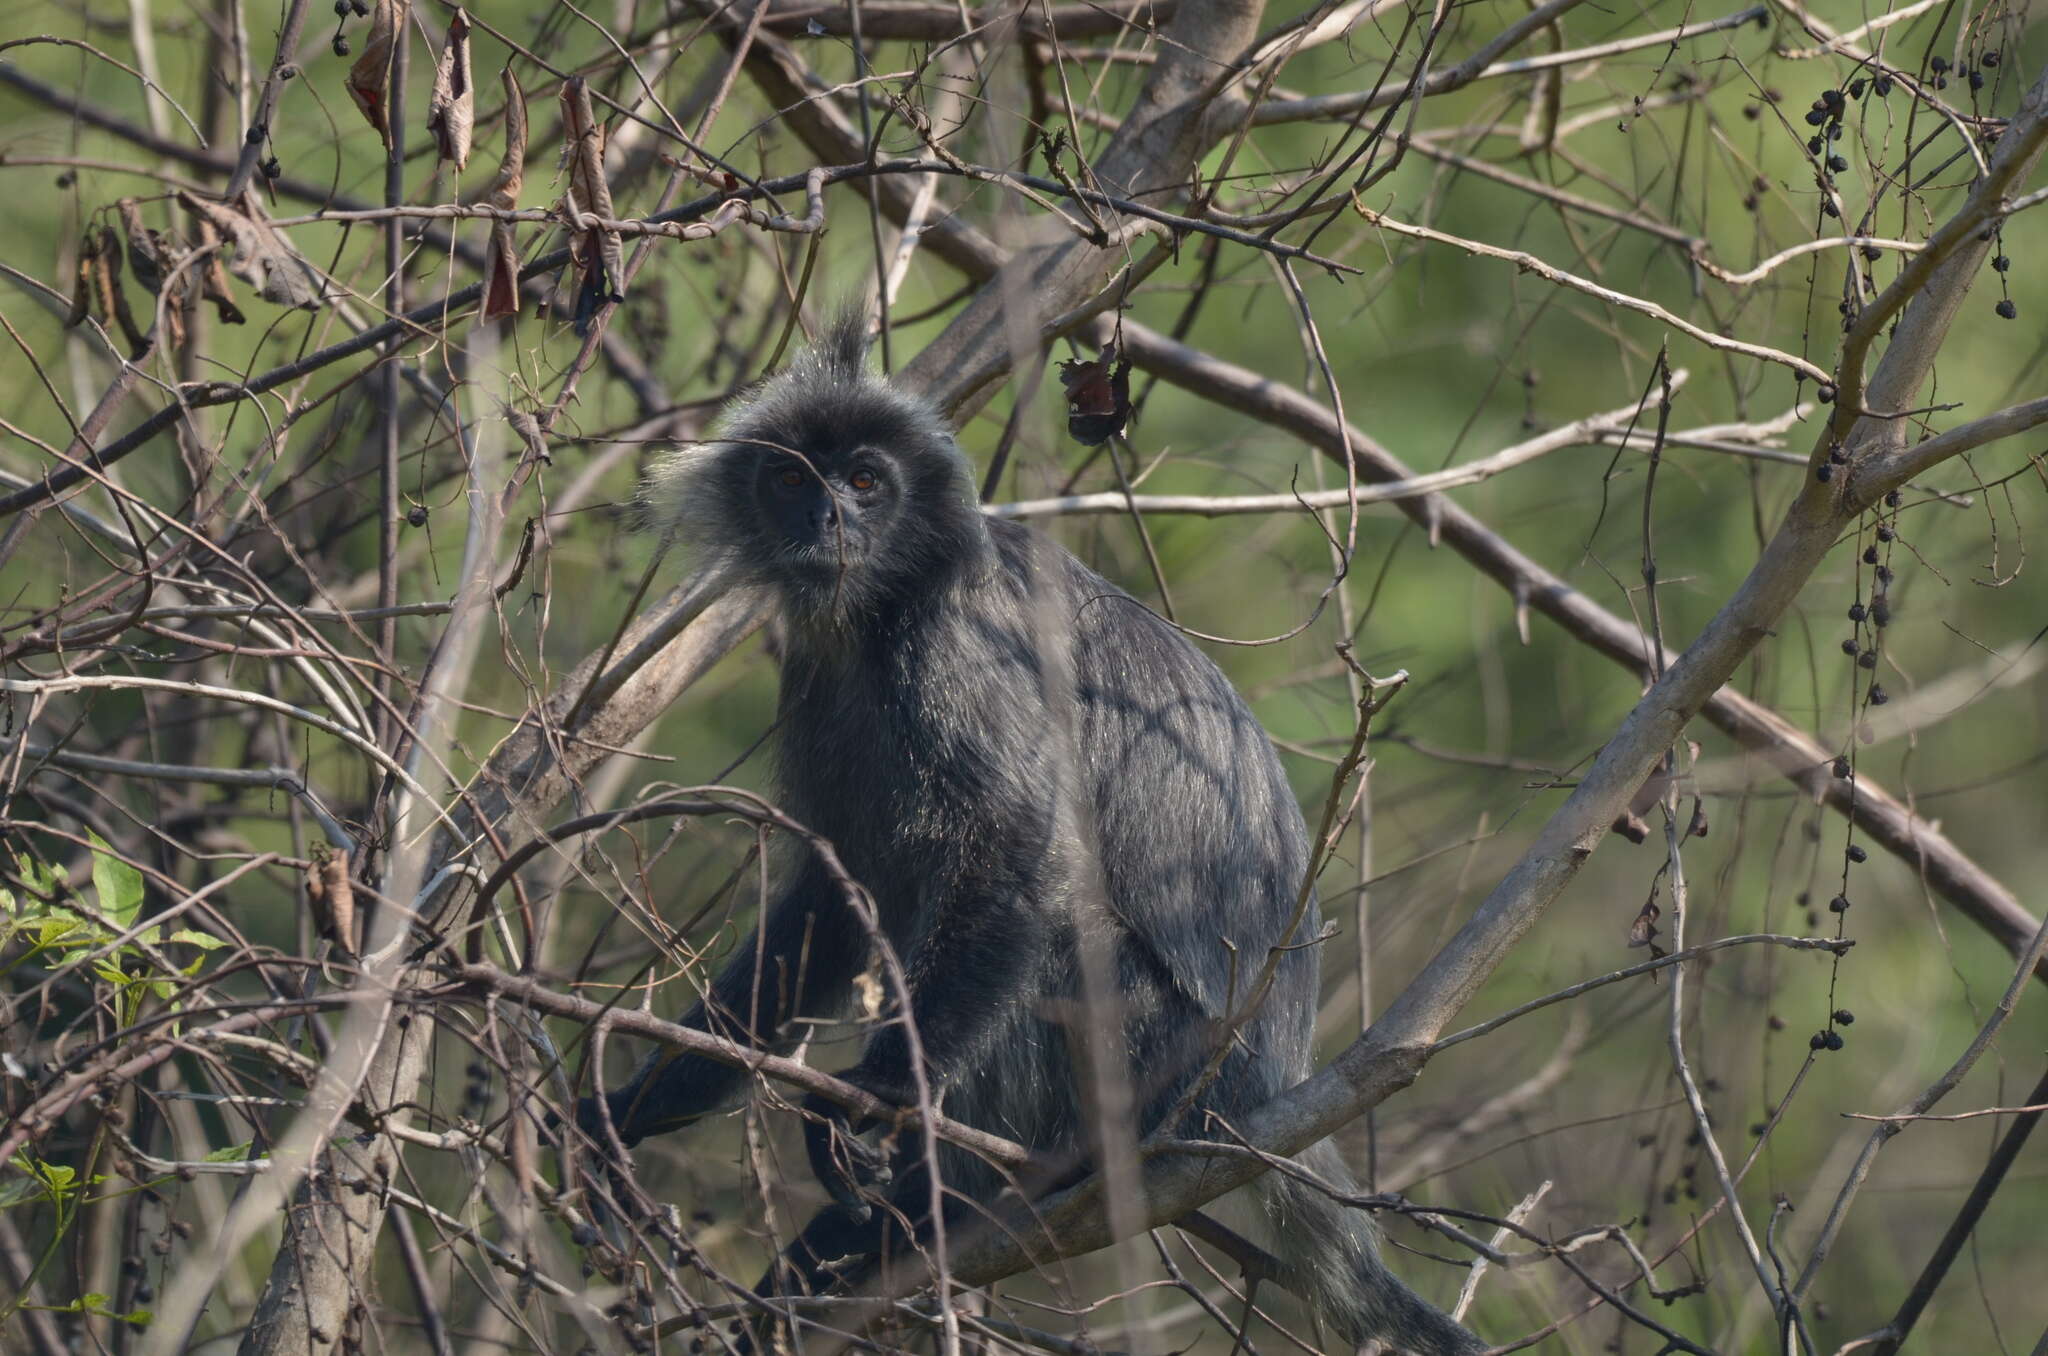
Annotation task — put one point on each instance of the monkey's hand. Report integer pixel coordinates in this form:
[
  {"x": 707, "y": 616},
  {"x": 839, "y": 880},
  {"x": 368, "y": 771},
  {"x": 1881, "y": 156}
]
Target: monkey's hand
[{"x": 848, "y": 1167}]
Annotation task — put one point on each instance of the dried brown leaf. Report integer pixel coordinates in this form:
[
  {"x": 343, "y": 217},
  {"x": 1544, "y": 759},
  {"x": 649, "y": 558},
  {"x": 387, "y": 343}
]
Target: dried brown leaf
[
  {"x": 596, "y": 254},
  {"x": 501, "y": 263},
  {"x": 451, "y": 113},
  {"x": 369, "y": 80},
  {"x": 83, "y": 284},
  {"x": 1098, "y": 396},
  {"x": 214, "y": 284},
  {"x": 111, "y": 297},
  {"x": 263, "y": 257},
  {"x": 152, "y": 258},
  {"x": 333, "y": 898},
  {"x": 148, "y": 258}
]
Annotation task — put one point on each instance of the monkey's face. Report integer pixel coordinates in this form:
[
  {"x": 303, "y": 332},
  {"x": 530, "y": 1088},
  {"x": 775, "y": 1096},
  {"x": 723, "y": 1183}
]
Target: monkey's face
[
  {"x": 839, "y": 492},
  {"x": 825, "y": 515}
]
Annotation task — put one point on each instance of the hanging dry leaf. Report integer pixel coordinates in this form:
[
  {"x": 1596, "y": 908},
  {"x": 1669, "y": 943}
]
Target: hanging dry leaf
[
  {"x": 263, "y": 257},
  {"x": 152, "y": 258},
  {"x": 369, "y": 80},
  {"x": 451, "y": 114},
  {"x": 83, "y": 284},
  {"x": 214, "y": 284},
  {"x": 333, "y": 898},
  {"x": 501, "y": 262},
  {"x": 1098, "y": 397},
  {"x": 1642, "y": 930},
  {"x": 597, "y": 254},
  {"x": 108, "y": 293},
  {"x": 148, "y": 258}
]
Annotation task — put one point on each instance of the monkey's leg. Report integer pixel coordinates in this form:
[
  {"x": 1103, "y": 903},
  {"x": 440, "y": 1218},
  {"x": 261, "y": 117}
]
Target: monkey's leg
[
  {"x": 837, "y": 1249},
  {"x": 802, "y": 960}
]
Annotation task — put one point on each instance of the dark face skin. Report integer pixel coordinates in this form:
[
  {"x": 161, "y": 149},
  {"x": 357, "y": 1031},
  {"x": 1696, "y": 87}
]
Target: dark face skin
[{"x": 825, "y": 514}]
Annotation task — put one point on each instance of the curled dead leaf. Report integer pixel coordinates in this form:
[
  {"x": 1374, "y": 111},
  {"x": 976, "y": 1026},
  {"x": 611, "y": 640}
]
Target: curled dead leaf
[
  {"x": 111, "y": 297},
  {"x": 596, "y": 254},
  {"x": 152, "y": 258},
  {"x": 214, "y": 284},
  {"x": 501, "y": 262},
  {"x": 451, "y": 113},
  {"x": 369, "y": 80},
  {"x": 1643, "y": 930},
  {"x": 333, "y": 898},
  {"x": 263, "y": 257},
  {"x": 82, "y": 283},
  {"x": 1098, "y": 396}
]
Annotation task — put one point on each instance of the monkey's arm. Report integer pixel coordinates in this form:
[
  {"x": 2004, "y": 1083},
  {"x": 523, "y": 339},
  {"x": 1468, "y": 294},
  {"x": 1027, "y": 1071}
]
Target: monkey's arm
[
  {"x": 982, "y": 959},
  {"x": 801, "y": 961}
]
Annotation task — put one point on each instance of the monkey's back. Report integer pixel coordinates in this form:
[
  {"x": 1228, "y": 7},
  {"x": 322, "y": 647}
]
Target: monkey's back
[{"x": 1040, "y": 733}]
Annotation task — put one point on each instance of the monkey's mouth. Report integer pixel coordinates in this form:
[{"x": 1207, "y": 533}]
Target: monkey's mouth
[{"x": 822, "y": 559}]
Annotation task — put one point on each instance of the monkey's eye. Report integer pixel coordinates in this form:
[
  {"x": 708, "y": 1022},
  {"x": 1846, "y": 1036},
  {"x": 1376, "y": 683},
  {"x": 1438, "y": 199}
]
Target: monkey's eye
[
  {"x": 863, "y": 480},
  {"x": 791, "y": 476}
]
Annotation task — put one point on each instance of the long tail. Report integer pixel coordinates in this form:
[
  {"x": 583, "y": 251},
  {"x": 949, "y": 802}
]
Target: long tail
[{"x": 1332, "y": 1252}]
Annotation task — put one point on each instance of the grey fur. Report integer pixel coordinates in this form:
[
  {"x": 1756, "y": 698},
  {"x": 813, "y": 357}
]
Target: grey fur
[{"x": 1037, "y": 780}]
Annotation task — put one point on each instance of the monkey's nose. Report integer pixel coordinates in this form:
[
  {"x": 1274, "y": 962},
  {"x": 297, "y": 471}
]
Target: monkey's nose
[{"x": 824, "y": 514}]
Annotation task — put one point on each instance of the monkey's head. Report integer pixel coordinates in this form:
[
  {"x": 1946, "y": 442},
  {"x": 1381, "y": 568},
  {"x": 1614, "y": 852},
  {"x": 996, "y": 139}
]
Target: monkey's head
[{"x": 830, "y": 486}]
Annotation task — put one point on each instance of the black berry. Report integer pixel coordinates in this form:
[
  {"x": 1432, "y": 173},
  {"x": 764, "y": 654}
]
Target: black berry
[
  {"x": 1842, "y": 768},
  {"x": 1838, "y": 164},
  {"x": 1834, "y": 1040},
  {"x": 1878, "y": 697},
  {"x": 1884, "y": 533},
  {"x": 1891, "y": 499},
  {"x": 1844, "y": 1017},
  {"x": 1856, "y": 612},
  {"x": 1824, "y": 474},
  {"x": 2001, "y": 263},
  {"x": 1857, "y": 854},
  {"x": 1867, "y": 660},
  {"x": 1817, "y": 1041},
  {"x": 1849, "y": 647},
  {"x": 2006, "y": 310},
  {"x": 1881, "y": 612},
  {"x": 1883, "y": 85},
  {"x": 417, "y": 515},
  {"x": 1839, "y": 904}
]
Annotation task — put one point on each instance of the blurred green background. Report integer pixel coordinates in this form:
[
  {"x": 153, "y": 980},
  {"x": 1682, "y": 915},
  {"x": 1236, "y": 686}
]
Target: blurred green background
[{"x": 1442, "y": 358}]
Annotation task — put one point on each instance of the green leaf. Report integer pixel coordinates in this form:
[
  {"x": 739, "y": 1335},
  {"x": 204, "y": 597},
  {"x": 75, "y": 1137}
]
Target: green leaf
[
  {"x": 44, "y": 1181},
  {"x": 40, "y": 879},
  {"x": 56, "y": 931},
  {"x": 118, "y": 885},
  {"x": 203, "y": 940},
  {"x": 234, "y": 1153},
  {"x": 18, "y": 1191}
]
